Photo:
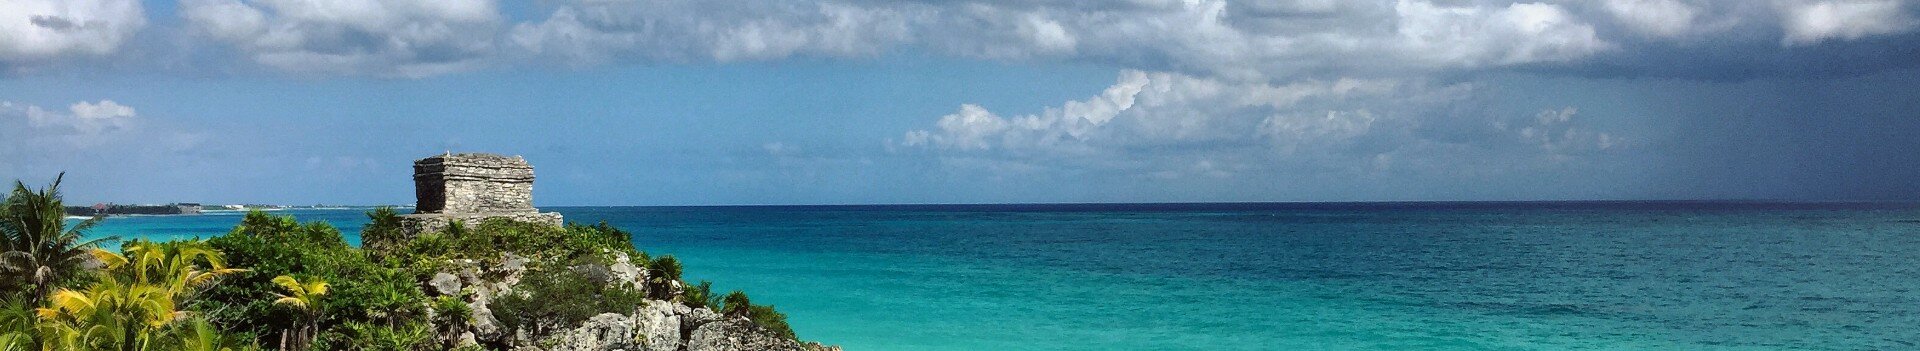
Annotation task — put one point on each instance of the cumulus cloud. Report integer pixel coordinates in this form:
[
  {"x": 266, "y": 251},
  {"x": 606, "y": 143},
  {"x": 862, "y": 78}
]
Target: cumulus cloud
[
  {"x": 592, "y": 32},
  {"x": 1272, "y": 41},
  {"x": 1480, "y": 36},
  {"x": 1211, "y": 37},
  {"x": 31, "y": 135},
  {"x": 34, "y": 32},
  {"x": 83, "y": 119},
  {"x": 1815, "y": 22},
  {"x": 359, "y": 37},
  {"x": 1168, "y": 124},
  {"x": 1556, "y": 133},
  {"x": 1149, "y": 109},
  {"x": 1238, "y": 40},
  {"x": 1655, "y": 18}
]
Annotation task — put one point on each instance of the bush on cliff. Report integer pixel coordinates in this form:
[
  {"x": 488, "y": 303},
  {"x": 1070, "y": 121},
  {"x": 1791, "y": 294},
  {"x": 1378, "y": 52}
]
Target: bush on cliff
[
  {"x": 556, "y": 297},
  {"x": 736, "y": 304},
  {"x": 701, "y": 296},
  {"x": 484, "y": 243}
]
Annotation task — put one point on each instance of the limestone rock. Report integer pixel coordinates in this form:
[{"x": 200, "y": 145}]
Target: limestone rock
[
  {"x": 624, "y": 270},
  {"x": 445, "y": 283},
  {"x": 605, "y": 332},
  {"x": 737, "y": 335},
  {"x": 659, "y": 325}
]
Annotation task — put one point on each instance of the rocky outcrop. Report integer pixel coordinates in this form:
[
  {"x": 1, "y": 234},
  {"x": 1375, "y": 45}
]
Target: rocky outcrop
[
  {"x": 659, "y": 325},
  {"x": 472, "y": 188},
  {"x": 478, "y": 284},
  {"x": 737, "y": 335},
  {"x": 669, "y": 326},
  {"x": 605, "y": 332}
]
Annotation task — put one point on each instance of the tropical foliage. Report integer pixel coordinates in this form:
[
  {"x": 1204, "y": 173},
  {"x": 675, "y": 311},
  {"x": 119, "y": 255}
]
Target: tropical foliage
[
  {"x": 736, "y": 304},
  {"x": 40, "y": 251},
  {"x": 305, "y": 287},
  {"x": 558, "y": 297},
  {"x": 136, "y": 303},
  {"x": 381, "y": 302},
  {"x": 302, "y": 297}
]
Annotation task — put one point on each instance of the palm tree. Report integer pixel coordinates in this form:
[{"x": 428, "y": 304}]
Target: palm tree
[
  {"x": 136, "y": 304},
  {"x": 736, "y": 304},
  {"x": 301, "y": 297},
  {"x": 16, "y": 326},
  {"x": 662, "y": 273},
  {"x": 39, "y": 249}
]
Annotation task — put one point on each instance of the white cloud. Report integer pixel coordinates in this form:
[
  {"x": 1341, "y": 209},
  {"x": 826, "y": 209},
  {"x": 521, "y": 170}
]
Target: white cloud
[
  {"x": 1154, "y": 108},
  {"x": 1815, "y": 22},
  {"x": 47, "y": 139},
  {"x": 1270, "y": 41},
  {"x": 82, "y": 118},
  {"x": 39, "y": 31},
  {"x": 1655, "y": 18},
  {"x": 1474, "y": 36},
  {"x": 1208, "y": 37},
  {"x": 1169, "y": 125},
  {"x": 1556, "y": 132},
  {"x": 370, "y": 37},
  {"x": 600, "y": 31}
]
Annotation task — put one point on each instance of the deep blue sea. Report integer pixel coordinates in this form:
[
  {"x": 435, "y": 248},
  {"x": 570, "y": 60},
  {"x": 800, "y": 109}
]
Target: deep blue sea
[{"x": 1384, "y": 276}]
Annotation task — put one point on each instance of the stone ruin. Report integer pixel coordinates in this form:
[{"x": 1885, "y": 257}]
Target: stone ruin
[{"x": 470, "y": 188}]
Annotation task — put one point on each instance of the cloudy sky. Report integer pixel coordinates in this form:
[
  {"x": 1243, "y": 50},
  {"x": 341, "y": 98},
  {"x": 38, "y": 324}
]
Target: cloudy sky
[{"x": 666, "y": 102}]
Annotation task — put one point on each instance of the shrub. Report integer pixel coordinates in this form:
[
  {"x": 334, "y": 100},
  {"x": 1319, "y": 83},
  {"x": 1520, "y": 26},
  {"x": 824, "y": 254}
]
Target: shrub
[
  {"x": 559, "y": 297},
  {"x": 361, "y": 291},
  {"x": 661, "y": 274},
  {"x": 774, "y": 321},
  {"x": 736, "y": 304},
  {"x": 364, "y": 336},
  {"x": 383, "y": 232},
  {"x": 701, "y": 296}
]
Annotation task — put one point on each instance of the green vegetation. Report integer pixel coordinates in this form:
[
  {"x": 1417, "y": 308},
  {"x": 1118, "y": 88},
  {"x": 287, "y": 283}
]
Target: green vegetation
[
  {"x": 378, "y": 299},
  {"x": 39, "y": 251},
  {"x": 701, "y": 296},
  {"x": 134, "y": 305},
  {"x": 736, "y": 304},
  {"x": 558, "y": 297},
  {"x": 273, "y": 281}
]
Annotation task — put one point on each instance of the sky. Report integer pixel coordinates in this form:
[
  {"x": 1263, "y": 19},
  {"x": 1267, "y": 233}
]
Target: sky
[{"x": 719, "y": 102}]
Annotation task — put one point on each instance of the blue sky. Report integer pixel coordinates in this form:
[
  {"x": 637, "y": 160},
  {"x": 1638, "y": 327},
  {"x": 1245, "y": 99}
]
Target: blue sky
[{"x": 632, "y": 102}]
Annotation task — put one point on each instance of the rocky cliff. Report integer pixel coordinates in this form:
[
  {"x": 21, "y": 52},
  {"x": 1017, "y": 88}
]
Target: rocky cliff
[{"x": 656, "y": 325}]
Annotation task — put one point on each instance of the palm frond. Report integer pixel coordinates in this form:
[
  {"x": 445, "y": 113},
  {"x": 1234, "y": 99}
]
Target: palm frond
[
  {"x": 287, "y": 282},
  {"x": 317, "y": 288},
  {"x": 109, "y": 258},
  {"x": 291, "y": 301}
]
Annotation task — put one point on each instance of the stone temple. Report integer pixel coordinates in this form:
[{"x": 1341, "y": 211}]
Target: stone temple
[{"x": 471, "y": 188}]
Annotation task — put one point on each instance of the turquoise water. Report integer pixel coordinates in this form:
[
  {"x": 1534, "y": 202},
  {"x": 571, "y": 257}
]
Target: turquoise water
[{"x": 1597, "y": 276}]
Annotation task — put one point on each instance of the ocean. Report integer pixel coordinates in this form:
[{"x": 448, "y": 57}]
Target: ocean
[{"x": 1347, "y": 276}]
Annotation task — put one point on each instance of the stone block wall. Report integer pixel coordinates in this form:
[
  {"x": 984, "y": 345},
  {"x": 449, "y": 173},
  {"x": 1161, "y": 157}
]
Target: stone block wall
[
  {"x": 434, "y": 222},
  {"x": 472, "y": 183},
  {"x": 471, "y": 188}
]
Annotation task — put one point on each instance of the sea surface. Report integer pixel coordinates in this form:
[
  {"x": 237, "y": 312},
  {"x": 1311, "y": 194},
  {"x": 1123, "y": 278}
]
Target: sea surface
[{"x": 1378, "y": 276}]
